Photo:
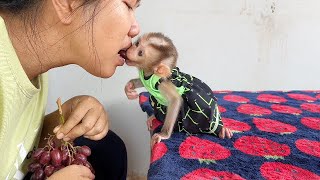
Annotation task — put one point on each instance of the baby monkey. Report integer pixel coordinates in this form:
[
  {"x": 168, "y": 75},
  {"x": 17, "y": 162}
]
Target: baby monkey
[{"x": 183, "y": 102}]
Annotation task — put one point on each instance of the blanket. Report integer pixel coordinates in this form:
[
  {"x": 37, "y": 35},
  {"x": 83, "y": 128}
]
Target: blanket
[{"x": 276, "y": 136}]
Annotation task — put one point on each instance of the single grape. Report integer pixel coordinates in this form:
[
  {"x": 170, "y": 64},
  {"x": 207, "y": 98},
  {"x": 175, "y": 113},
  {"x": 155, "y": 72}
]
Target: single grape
[
  {"x": 65, "y": 154},
  {"x": 38, "y": 175},
  {"x": 34, "y": 166},
  {"x": 56, "y": 157},
  {"x": 45, "y": 158},
  {"x": 81, "y": 157},
  {"x": 85, "y": 150},
  {"x": 37, "y": 154},
  {"x": 48, "y": 170},
  {"x": 67, "y": 162}
]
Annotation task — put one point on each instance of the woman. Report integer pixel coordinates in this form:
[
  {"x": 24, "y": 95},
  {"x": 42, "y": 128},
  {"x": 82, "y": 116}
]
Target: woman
[{"x": 36, "y": 36}]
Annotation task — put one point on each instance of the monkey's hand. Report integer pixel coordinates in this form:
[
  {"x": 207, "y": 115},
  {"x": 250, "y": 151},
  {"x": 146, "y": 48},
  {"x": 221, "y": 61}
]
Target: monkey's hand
[
  {"x": 130, "y": 90},
  {"x": 225, "y": 132},
  {"x": 157, "y": 137}
]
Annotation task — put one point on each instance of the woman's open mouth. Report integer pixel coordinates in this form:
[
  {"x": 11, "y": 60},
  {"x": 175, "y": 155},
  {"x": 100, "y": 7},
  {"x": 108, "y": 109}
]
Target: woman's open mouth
[{"x": 123, "y": 54}]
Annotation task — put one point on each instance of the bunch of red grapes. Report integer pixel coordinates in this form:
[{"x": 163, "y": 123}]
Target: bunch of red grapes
[{"x": 52, "y": 158}]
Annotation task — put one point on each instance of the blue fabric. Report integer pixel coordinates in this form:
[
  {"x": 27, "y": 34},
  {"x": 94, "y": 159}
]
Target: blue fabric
[{"x": 169, "y": 163}]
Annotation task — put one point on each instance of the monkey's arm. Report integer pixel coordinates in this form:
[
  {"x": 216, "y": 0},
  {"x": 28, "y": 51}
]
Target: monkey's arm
[
  {"x": 174, "y": 99},
  {"x": 136, "y": 83}
]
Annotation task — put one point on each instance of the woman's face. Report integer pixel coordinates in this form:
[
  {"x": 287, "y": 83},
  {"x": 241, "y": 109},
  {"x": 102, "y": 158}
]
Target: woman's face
[{"x": 111, "y": 29}]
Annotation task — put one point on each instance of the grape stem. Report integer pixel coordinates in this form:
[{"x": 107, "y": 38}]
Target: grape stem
[{"x": 60, "y": 111}]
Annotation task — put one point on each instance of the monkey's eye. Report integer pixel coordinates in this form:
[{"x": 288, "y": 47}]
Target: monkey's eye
[{"x": 140, "y": 53}]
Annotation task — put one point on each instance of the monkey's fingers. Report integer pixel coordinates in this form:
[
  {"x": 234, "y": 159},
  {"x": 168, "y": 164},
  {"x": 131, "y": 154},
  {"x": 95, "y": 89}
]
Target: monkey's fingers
[
  {"x": 156, "y": 138},
  {"x": 222, "y": 133},
  {"x": 129, "y": 85},
  {"x": 132, "y": 95},
  {"x": 229, "y": 133}
]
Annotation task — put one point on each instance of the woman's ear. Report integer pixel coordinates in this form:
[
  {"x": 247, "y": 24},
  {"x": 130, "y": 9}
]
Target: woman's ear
[
  {"x": 65, "y": 9},
  {"x": 162, "y": 70}
]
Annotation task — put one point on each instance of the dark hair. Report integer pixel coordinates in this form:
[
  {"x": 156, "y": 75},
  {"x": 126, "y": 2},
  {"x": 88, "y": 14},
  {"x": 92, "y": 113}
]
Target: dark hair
[{"x": 16, "y": 6}]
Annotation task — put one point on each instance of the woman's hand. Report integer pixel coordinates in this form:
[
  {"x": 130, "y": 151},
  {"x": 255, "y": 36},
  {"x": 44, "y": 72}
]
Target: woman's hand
[
  {"x": 84, "y": 115},
  {"x": 72, "y": 172}
]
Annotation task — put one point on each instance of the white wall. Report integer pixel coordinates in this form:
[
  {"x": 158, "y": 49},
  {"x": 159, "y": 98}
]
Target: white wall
[{"x": 236, "y": 45}]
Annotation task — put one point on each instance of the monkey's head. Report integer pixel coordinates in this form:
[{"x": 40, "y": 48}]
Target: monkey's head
[{"x": 153, "y": 53}]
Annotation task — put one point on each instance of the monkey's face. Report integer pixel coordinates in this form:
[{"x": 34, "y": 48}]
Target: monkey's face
[{"x": 137, "y": 54}]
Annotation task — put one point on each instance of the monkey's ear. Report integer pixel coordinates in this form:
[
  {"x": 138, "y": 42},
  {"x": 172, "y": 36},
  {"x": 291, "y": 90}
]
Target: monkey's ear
[{"x": 162, "y": 70}]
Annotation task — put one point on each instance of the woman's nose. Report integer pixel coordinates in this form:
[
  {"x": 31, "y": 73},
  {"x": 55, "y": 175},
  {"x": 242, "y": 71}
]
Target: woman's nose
[{"x": 135, "y": 29}]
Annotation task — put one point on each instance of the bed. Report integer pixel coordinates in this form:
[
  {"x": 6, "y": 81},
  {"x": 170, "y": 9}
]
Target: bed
[{"x": 276, "y": 136}]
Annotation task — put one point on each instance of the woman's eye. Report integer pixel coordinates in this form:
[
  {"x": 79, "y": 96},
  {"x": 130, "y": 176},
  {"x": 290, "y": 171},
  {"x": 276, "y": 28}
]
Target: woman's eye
[
  {"x": 140, "y": 53},
  {"x": 127, "y": 4},
  {"x": 137, "y": 43}
]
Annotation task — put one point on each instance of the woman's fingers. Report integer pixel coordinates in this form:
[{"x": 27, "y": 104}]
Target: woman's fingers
[
  {"x": 85, "y": 113},
  {"x": 98, "y": 136},
  {"x": 88, "y": 122},
  {"x": 75, "y": 118},
  {"x": 99, "y": 127}
]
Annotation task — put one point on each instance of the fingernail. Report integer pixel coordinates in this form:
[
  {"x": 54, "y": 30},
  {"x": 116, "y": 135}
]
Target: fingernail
[
  {"x": 86, "y": 137},
  {"x": 60, "y": 136},
  {"x": 66, "y": 139},
  {"x": 55, "y": 130}
]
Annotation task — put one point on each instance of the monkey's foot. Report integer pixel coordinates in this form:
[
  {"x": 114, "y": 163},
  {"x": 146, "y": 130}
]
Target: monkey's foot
[
  {"x": 157, "y": 137},
  {"x": 225, "y": 132}
]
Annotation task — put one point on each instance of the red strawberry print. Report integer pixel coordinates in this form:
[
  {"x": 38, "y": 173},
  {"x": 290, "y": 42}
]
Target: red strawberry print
[
  {"x": 286, "y": 109},
  {"x": 278, "y": 170},
  {"x": 271, "y": 98},
  {"x": 258, "y": 146},
  {"x": 309, "y": 147},
  {"x": 302, "y": 97},
  {"x": 222, "y": 109},
  {"x": 206, "y": 174},
  {"x": 236, "y": 98},
  {"x": 235, "y": 126},
  {"x": 311, "y": 122},
  {"x": 203, "y": 150},
  {"x": 311, "y": 107},
  {"x": 142, "y": 99},
  {"x": 158, "y": 151},
  {"x": 155, "y": 123},
  {"x": 253, "y": 110},
  {"x": 273, "y": 126}
]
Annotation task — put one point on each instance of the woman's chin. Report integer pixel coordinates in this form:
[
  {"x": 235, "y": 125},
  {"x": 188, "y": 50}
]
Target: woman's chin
[{"x": 104, "y": 73}]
